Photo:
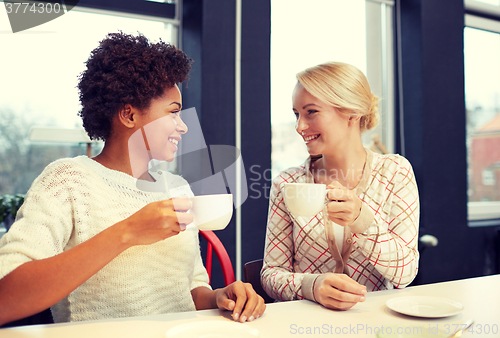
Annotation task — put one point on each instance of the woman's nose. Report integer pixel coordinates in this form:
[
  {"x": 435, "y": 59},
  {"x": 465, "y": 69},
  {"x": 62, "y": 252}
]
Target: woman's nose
[
  {"x": 300, "y": 125},
  {"x": 181, "y": 126}
]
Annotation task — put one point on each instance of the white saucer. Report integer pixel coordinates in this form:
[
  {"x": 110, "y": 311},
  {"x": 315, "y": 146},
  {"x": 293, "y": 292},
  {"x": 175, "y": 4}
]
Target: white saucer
[
  {"x": 212, "y": 329},
  {"x": 424, "y": 306}
]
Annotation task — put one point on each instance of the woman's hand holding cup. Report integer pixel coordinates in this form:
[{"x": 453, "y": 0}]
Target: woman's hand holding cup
[
  {"x": 157, "y": 221},
  {"x": 344, "y": 205}
]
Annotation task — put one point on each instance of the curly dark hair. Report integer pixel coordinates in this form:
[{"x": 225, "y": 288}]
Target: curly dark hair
[{"x": 126, "y": 69}]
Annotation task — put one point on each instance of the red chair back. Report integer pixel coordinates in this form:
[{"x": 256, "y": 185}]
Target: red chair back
[{"x": 214, "y": 244}]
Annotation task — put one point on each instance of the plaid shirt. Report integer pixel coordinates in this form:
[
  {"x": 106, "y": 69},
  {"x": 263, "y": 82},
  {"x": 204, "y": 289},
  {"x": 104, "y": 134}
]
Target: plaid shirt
[{"x": 379, "y": 248}]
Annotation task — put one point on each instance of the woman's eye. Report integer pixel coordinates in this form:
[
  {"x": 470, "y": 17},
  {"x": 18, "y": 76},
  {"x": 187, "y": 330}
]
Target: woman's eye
[
  {"x": 176, "y": 113},
  {"x": 296, "y": 115},
  {"x": 312, "y": 111}
]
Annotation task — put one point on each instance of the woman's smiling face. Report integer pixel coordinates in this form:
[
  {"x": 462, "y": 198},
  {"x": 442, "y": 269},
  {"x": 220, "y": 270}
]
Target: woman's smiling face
[
  {"x": 322, "y": 127},
  {"x": 163, "y": 125}
]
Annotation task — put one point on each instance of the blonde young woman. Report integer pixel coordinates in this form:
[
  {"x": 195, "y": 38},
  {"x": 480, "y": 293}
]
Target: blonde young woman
[{"x": 365, "y": 239}]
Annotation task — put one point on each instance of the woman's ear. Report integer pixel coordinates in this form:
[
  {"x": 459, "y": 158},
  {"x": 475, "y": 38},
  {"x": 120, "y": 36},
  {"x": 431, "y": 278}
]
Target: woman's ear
[
  {"x": 353, "y": 119},
  {"x": 126, "y": 116}
]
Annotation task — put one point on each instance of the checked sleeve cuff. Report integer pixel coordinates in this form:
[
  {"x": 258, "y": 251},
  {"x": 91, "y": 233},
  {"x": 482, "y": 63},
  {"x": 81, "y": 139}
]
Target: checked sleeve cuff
[
  {"x": 308, "y": 286},
  {"x": 364, "y": 220}
]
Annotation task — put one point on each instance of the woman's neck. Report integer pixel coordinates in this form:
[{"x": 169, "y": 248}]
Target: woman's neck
[
  {"x": 345, "y": 166},
  {"x": 117, "y": 156}
]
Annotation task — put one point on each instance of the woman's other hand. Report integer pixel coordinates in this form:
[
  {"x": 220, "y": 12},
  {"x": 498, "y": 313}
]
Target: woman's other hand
[
  {"x": 157, "y": 221},
  {"x": 338, "y": 291},
  {"x": 240, "y": 298},
  {"x": 344, "y": 206}
]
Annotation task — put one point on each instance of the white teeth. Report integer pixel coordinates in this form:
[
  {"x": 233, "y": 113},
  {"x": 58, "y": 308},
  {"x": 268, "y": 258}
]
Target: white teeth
[
  {"x": 173, "y": 141},
  {"x": 309, "y": 138}
]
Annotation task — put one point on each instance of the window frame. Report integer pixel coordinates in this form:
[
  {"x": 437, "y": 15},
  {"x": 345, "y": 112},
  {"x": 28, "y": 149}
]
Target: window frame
[
  {"x": 481, "y": 8},
  {"x": 136, "y": 8},
  {"x": 482, "y": 213},
  {"x": 166, "y": 13},
  {"x": 380, "y": 70},
  {"x": 383, "y": 53}
]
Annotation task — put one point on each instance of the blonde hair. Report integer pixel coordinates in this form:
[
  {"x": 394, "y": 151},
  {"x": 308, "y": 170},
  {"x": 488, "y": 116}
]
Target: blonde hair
[{"x": 344, "y": 87}]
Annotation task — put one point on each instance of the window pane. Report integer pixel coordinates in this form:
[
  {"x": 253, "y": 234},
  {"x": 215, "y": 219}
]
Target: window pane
[
  {"x": 489, "y": 2},
  {"x": 482, "y": 92},
  {"x": 39, "y": 71},
  {"x": 306, "y": 33}
]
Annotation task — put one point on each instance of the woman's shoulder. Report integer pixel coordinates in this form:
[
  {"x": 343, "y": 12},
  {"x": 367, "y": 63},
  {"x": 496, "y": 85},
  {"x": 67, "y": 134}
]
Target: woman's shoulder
[
  {"x": 392, "y": 167},
  {"x": 390, "y": 162},
  {"x": 65, "y": 166},
  {"x": 60, "y": 172}
]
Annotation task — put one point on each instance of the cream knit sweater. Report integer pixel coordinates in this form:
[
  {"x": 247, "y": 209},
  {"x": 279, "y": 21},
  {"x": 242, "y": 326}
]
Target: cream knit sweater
[{"x": 75, "y": 199}]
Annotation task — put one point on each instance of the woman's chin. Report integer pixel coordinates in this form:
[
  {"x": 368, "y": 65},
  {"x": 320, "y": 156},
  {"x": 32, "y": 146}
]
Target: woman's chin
[
  {"x": 168, "y": 158},
  {"x": 164, "y": 157},
  {"x": 313, "y": 153}
]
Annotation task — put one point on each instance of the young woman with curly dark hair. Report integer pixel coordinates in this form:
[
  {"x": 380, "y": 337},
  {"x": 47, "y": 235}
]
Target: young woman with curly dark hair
[{"x": 89, "y": 243}]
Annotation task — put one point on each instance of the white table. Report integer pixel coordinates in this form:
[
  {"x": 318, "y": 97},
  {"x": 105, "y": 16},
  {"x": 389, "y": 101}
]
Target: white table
[{"x": 480, "y": 297}]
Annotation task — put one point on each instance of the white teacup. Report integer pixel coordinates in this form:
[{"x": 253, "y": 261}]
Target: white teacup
[
  {"x": 212, "y": 212},
  {"x": 304, "y": 199}
]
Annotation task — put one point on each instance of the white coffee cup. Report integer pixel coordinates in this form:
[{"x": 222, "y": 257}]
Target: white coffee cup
[
  {"x": 211, "y": 212},
  {"x": 304, "y": 199}
]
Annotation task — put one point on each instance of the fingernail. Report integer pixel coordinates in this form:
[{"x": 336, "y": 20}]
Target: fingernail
[
  {"x": 236, "y": 316},
  {"x": 251, "y": 318},
  {"x": 243, "y": 319},
  {"x": 182, "y": 226},
  {"x": 362, "y": 299}
]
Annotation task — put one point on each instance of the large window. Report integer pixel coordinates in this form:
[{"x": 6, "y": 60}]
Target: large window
[
  {"x": 39, "y": 72},
  {"x": 306, "y": 33},
  {"x": 482, "y": 93}
]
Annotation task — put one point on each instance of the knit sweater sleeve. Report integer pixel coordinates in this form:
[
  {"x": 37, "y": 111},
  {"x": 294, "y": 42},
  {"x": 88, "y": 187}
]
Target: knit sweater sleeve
[
  {"x": 44, "y": 223},
  {"x": 277, "y": 276},
  {"x": 200, "y": 275},
  {"x": 178, "y": 187},
  {"x": 390, "y": 243}
]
